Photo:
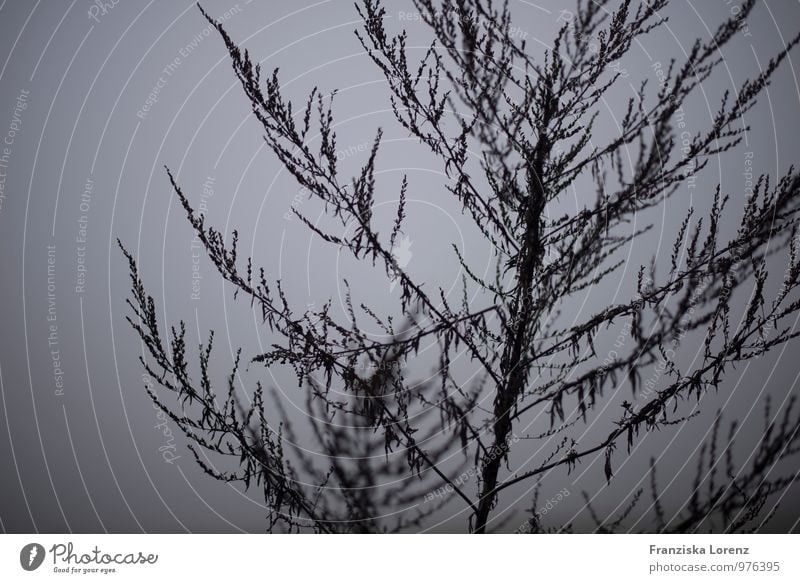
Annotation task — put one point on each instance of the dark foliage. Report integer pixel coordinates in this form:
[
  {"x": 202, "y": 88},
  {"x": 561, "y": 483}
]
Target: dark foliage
[{"x": 478, "y": 89}]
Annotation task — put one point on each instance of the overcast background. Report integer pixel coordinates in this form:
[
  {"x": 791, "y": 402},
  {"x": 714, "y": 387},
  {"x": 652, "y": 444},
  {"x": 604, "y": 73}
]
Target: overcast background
[{"x": 89, "y": 456}]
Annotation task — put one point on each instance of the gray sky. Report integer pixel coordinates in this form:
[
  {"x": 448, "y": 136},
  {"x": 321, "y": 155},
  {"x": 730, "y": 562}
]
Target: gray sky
[{"x": 94, "y": 102}]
